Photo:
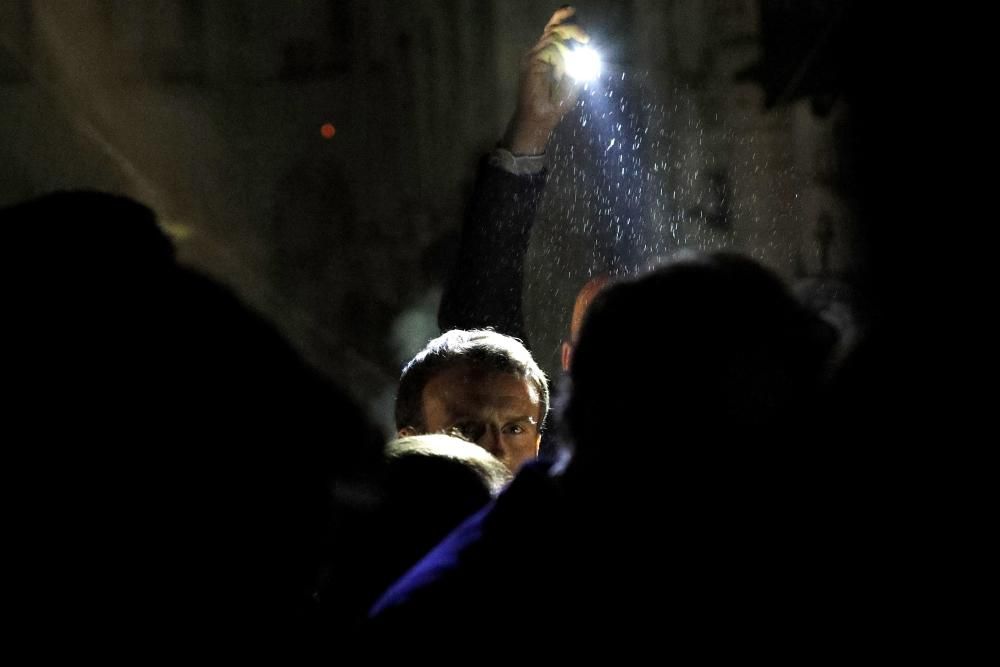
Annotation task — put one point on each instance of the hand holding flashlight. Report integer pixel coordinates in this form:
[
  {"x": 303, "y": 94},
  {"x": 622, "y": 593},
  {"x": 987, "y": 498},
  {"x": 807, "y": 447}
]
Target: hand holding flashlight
[{"x": 552, "y": 75}]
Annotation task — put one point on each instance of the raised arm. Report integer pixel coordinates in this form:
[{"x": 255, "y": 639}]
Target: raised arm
[{"x": 486, "y": 285}]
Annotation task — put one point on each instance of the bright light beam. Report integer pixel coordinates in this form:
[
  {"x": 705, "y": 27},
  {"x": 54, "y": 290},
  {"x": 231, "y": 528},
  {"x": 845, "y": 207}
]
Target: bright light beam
[{"x": 583, "y": 64}]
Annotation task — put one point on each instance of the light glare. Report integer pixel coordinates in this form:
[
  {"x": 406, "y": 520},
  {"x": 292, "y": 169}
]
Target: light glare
[{"x": 583, "y": 64}]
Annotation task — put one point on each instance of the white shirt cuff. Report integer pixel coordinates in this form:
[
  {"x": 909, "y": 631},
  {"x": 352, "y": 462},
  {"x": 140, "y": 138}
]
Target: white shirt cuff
[{"x": 519, "y": 165}]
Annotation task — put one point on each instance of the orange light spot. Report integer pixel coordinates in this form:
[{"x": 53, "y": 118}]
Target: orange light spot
[{"x": 327, "y": 130}]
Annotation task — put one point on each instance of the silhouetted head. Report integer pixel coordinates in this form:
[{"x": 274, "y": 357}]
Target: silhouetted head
[
  {"x": 83, "y": 234},
  {"x": 188, "y": 451},
  {"x": 428, "y": 485},
  {"x": 707, "y": 345}
]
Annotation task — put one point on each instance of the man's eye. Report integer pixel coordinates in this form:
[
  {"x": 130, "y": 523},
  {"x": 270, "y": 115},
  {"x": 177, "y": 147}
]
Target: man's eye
[
  {"x": 471, "y": 431},
  {"x": 515, "y": 429}
]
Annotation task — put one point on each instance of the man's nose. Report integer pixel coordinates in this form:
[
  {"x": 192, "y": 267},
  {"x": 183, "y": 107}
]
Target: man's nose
[{"x": 490, "y": 441}]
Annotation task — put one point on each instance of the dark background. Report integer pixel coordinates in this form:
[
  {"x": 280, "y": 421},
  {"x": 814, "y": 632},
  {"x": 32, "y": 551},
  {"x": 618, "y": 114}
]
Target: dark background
[{"x": 717, "y": 123}]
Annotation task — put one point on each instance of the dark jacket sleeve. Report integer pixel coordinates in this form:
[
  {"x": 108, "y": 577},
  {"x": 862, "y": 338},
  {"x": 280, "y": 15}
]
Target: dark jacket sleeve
[{"x": 486, "y": 284}]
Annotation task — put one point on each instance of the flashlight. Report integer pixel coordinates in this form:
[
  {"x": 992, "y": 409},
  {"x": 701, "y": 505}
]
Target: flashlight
[{"x": 583, "y": 63}]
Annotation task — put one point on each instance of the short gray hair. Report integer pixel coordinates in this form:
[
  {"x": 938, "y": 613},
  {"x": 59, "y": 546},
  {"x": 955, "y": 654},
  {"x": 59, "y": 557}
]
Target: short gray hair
[{"x": 489, "y": 469}]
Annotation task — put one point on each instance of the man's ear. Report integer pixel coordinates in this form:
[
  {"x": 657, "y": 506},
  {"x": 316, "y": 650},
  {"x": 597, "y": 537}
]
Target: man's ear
[
  {"x": 567, "y": 355},
  {"x": 406, "y": 432}
]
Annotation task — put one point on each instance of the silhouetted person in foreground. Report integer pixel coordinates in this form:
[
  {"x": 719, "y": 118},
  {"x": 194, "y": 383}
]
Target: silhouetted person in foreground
[
  {"x": 179, "y": 474},
  {"x": 691, "y": 517},
  {"x": 428, "y": 485}
]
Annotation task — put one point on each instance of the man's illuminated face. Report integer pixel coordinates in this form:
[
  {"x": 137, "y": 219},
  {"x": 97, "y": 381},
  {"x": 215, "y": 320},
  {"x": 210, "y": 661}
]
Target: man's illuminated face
[{"x": 498, "y": 411}]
